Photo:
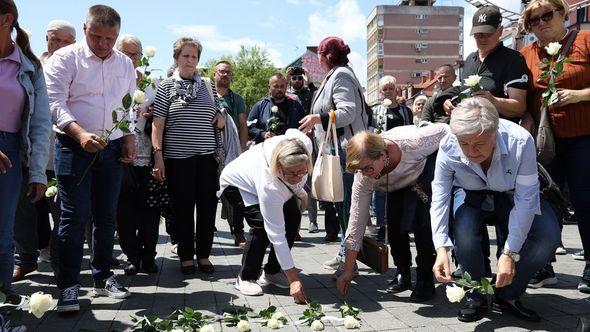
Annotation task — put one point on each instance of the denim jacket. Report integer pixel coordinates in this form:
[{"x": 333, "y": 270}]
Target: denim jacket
[{"x": 36, "y": 121}]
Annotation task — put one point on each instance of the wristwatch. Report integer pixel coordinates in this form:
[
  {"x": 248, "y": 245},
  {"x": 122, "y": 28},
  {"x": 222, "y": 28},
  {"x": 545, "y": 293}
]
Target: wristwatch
[
  {"x": 155, "y": 150},
  {"x": 514, "y": 255}
]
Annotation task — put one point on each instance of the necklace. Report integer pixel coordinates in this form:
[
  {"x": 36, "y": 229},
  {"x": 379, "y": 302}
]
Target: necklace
[{"x": 385, "y": 163}]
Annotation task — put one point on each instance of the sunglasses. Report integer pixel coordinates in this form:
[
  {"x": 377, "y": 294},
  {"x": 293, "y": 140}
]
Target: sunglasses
[
  {"x": 546, "y": 17},
  {"x": 297, "y": 78}
]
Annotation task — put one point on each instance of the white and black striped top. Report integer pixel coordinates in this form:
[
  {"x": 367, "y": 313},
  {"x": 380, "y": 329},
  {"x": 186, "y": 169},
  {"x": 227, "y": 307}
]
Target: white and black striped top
[{"x": 188, "y": 131}]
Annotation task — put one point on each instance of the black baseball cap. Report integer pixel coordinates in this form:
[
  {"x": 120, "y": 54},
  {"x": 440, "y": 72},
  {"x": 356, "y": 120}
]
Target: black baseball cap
[
  {"x": 297, "y": 71},
  {"x": 486, "y": 19}
]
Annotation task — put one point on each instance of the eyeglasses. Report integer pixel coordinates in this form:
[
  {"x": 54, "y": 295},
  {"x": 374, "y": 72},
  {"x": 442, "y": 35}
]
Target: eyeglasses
[
  {"x": 366, "y": 170},
  {"x": 294, "y": 175},
  {"x": 133, "y": 55},
  {"x": 546, "y": 17},
  {"x": 224, "y": 72},
  {"x": 297, "y": 78}
]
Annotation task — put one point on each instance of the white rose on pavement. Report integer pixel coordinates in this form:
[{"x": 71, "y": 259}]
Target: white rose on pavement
[
  {"x": 39, "y": 303},
  {"x": 455, "y": 293},
  {"x": 278, "y": 315},
  {"x": 351, "y": 322},
  {"x": 138, "y": 97},
  {"x": 207, "y": 328},
  {"x": 51, "y": 191},
  {"x": 553, "y": 48},
  {"x": 274, "y": 109},
  {"x": 457, "y": 83},
  {"x": 472, "y": 80},
  {"x": 150, "y": 51},
  {"x": 274, "y": 324},
  {"x": 243, "y": 326},
  {"x": 387, "y": 102},
  {"x": 317, "y": 325}
]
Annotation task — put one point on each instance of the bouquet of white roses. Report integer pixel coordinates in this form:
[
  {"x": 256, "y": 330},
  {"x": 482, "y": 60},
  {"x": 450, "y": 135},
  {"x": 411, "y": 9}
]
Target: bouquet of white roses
[{"x": 472, "y": 84}]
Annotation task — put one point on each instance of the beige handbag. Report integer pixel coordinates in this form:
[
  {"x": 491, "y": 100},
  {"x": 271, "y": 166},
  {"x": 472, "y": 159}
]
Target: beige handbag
[{"x": 326, "y": 182}]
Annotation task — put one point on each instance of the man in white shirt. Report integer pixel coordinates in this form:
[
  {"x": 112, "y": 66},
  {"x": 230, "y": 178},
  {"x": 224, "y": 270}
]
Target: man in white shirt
[{"x": 85, "y": 83}]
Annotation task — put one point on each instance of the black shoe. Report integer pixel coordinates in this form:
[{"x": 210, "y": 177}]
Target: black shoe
[
  {"x": 516, "y": 309},
  {"x": 240, "y": 240},
  {"x": 206, "y": 268},
  {"x": 189, "y": 269},
  {"x": 544, "y": 277},
  {"x": 149, "y": 266},
  {"x": 131, "y": 268},
  {"x": 423, "y": 291},
  {"x": 401, "y": 282},
  {"x": 473, "y": 310},
  {"x": 331, "y": 238}
]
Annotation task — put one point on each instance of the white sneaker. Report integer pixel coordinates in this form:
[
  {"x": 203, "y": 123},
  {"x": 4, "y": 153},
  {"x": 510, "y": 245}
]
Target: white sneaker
[
  {"x": 248, "y": 287},
  {"x": 111, "y": 288},
  {"x": 174, "y": 249},
  {"x": 578, "y": 255},
  {"x": 560, "y": 251},
  {"x": 277, "y": 279},
  {"x": 333, "y": 263},
  {"x": 44, "y": 255}
]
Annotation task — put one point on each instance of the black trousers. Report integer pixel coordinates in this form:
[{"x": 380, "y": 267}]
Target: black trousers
[
  {"x": 235, "y": 218},
  {"x": 193, "y": 182},
  {"x": 137, "y": 222},
  {"x": 257, "y": 242},
  {"x": 331, "y": 223}
]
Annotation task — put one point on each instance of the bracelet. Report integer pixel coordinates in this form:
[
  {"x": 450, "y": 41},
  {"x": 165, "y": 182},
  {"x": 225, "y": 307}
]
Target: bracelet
[{"x": 156, "y": 150}]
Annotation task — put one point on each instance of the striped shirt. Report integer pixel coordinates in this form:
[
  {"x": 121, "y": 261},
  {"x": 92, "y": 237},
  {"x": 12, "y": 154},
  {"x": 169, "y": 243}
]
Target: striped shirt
[{"x": 188, "y": 131}]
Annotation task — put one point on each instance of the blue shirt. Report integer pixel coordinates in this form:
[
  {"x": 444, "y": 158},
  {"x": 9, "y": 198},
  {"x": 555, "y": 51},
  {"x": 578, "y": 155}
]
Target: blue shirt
[{"x": 513, "y": 168}]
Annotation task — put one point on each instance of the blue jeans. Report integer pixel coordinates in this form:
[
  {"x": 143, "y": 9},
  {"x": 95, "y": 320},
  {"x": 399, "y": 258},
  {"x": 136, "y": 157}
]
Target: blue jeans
[
  {"x": 571, "y": 165},
  {"x": 538, "y": 249},
  {"x": 10, "y": 183},
  {"x": 378, "y": 205},
  {"x": 96, "y": 194}
]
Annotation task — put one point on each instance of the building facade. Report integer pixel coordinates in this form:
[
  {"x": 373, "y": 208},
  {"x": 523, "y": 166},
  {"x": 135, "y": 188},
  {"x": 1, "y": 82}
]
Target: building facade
[{"x": 408, "y": 40}]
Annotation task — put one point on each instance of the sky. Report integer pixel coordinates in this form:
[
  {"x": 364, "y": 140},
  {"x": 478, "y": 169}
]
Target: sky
[{"x": 284, "y": 28}]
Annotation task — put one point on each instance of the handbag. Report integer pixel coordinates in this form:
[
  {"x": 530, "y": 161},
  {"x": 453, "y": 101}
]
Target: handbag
[
  {"x": 326, "y": 181},
  {"x": 374, "y": 254},
  {"x": 549, "y": 191},
  {"x": 544, "y": 139}
]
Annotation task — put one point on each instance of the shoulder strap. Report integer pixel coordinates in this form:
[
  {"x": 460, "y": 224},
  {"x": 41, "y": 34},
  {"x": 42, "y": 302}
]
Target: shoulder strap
[{"x": 568, "y": 45}]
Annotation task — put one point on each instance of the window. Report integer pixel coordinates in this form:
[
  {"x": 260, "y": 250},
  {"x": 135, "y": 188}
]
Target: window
[
  {"x": 380, "y": 20},
  {"x": 421, "y": 31},
  {"x": 420, "y": 46},
  {"x": 421, "y": 60},
  {"x": 581, "y": 15},
  {"x": 380, "y": 49},
  {"x": 421, "y": 16},
  {"x": 416, "y": 74}
]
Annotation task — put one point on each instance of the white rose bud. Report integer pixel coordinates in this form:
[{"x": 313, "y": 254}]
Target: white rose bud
[
  {"x": 207, "y": 328},
  {"x": 278, "y": 315},
  {"x": 39, "y": 304},
  {"x": 51, "y": 191},
  {"x": 553, "y": 48},
  {"x": 472, "y": 80},
  {"x": 177, "y": 330},
  {"x": 138, "y": 97},
  {"x": 274, "y": 109},
  {"x": 317, "y": 325},
  {"x": 243, "y": 326},
  {"x": 455, "y": 293},
  {"x": 351, "y": 322},
  {"x": 387, "y": 102},
  {"x": 457, "y": 83},
  {"x": 149, "y": 51},
  {"x": 274, "y": 324}
]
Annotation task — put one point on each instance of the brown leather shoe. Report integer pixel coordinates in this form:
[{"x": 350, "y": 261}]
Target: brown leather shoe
[{"x": 19, "y": 273}]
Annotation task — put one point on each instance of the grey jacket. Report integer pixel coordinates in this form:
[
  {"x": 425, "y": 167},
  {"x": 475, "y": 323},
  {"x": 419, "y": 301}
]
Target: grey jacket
[{"x": 340, "y": 91}]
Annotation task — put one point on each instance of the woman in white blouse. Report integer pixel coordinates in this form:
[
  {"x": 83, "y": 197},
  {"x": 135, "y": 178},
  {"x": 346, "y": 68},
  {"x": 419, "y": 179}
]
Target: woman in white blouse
[
  {"x": 266, "y": 184},
  {"x": 400, "y": 162}
]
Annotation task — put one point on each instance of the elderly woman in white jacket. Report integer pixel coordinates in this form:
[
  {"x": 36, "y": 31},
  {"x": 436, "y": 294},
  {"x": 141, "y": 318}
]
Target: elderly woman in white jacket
[{"x": 266, "y": 184}]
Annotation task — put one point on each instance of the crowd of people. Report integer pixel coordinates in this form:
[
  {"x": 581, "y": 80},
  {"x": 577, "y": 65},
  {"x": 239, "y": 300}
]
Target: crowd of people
[{"x": 442, "y": 169}]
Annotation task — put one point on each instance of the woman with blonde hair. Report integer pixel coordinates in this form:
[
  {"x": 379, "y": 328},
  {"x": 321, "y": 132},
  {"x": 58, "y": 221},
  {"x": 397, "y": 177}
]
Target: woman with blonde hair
[
  {"x": 265, "y": 184},
  {"x": 400, "y": 162},
  {"x": 417, "y": 107}
]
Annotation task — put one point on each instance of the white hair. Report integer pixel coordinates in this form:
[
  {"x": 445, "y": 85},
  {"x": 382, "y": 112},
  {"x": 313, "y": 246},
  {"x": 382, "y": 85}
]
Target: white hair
[
  {"x": 127, "y": 38},
  {"x": 387, "y": 79},
  {"x": 417, "y": 99},
  {"x": 61, "y": 25},
  {"x": 474, "y": 116}
]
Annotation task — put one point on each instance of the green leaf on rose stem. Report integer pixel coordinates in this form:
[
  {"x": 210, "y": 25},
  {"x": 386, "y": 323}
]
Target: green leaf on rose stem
[
  {"x": 544, "y": 74},
  {"x": 467, "y": 276},
  {"x": 568, "y": 60},
  {"x": 114, "y": 115},
  {"x": 554, "y": 98},
  {"x": 546, "y": 93},
  {"x": 558, "y": 68},
  {"x": 542, "y": 65},
  {"x": 127, "y": 101},
  {"x": 485, "y": 284}
]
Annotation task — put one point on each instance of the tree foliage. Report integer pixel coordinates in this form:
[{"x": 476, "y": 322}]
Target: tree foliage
[{"x": 251, "y": 69}]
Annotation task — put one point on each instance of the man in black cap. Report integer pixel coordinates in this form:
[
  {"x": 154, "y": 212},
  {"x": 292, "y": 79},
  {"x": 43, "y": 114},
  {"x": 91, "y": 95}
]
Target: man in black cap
[{"x": 502, "y": 70}]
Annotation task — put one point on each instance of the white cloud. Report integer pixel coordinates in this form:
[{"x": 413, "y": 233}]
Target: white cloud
[
  {"x": 344, "y": 19},
  {"x": 213, "y": 39},
  {"x": 294, "y": 2},
  {"x": 270, "y": 22}
]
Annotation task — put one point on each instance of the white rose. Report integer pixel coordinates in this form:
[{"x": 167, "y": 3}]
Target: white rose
[
  {"x": 274, "y": 109},
  {"x": 553, "y": 48},
  {"x": 351, "y": 322},
  {"x": 455, "y": 293},
  {"x": 274, "y": 323},
  {"x": 177, "y": 330},
  {"x": 39, "y": 304},
  {"x": 138, "y": 97},
  {"x": 278, "y": 315},
  {"x": 472, "y": 80},
  {"x": 207, "y": 328},
  {"x": 243, "y": 326},
  {"x": 149, "y": 51},
  {"x": 457, "y": 83},
  {"x": 51, "y": 191},
  {"x": 317, "y": 325},
  {"x": 387, "y": 102}
]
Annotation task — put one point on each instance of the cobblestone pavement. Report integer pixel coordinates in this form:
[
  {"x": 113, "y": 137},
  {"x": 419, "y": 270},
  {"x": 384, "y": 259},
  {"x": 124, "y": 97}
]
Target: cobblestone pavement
[{"x": 161, "y": 293}]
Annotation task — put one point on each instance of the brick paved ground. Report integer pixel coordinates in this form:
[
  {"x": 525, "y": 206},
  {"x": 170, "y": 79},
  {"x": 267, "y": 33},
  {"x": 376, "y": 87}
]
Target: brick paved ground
[{"x": 159, "y": 294}]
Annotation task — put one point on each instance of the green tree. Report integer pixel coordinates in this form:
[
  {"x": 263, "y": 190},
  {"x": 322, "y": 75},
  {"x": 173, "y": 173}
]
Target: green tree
[{"x": 251, "y": 69}]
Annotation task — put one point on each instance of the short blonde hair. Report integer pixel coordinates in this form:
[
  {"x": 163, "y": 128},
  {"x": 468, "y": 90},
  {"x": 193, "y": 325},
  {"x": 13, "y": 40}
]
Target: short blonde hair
[
  {"x": 474, "y": 116},
  {"x": 387, "y": 79},
  {"x": 363, "y": 145},
  {"x": 182, "y": 42},
  {"x": 559, "y": 5},
  {"x": 417, "y": 99},
  {"x": 289, "y": 153}
]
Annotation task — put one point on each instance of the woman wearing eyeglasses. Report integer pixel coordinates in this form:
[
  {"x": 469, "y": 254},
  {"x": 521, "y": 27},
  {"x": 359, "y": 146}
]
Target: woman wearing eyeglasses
[
  {"x": 265, "y": 184},
  {"x": 401, "y": 162},
  {"x": 570, "y": 116}
]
